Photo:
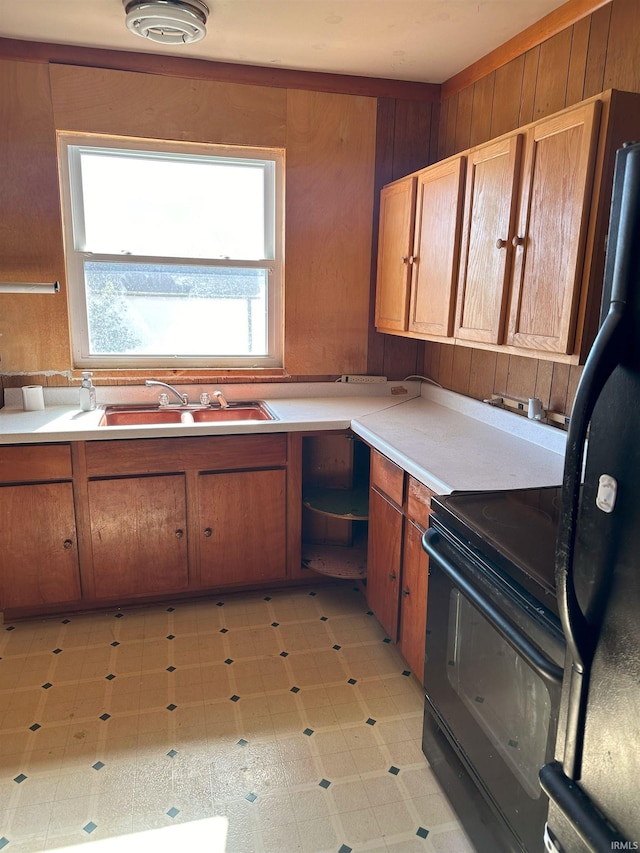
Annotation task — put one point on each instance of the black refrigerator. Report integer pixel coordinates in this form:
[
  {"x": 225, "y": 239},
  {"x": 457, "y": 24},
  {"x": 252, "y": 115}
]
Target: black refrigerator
[{"x": 594, "y": 782}]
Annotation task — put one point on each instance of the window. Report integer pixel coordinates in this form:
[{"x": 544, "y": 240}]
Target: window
[{"x": 174, "y": 253}]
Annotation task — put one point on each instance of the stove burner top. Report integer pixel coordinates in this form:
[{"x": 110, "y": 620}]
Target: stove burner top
[{"x": 519, "y": 526}]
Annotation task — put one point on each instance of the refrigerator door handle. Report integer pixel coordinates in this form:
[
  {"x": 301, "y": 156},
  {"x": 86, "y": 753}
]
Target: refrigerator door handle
[{"x": 594, "y": 830}]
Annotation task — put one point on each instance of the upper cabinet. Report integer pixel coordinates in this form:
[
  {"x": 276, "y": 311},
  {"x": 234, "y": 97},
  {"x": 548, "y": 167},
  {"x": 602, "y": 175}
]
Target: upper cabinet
[
  {"x": 395, "y": 247},
  {"x": 523, "y": 264},
  {"x": 418, "y": 251},
  {"x": 489, "y": 221},
  {"x": 552, "y": 225}
]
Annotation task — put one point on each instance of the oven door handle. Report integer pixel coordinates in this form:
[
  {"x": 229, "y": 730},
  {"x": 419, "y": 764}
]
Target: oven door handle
[{"x": 546, "y": 669}]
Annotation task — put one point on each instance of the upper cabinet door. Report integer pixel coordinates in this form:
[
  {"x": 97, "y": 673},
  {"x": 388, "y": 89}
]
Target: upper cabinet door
[
  {"x": 550, "y": 239},
  {"x": 434, "y": 270},
  {"x": 489, "y": 220},
  {"x": 397, "y": 207}
]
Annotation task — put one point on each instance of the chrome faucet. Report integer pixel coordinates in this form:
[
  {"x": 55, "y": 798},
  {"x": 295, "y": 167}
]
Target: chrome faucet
[
  {"x": 221, "y": 399},
  {"x": 184, "y": 400}
]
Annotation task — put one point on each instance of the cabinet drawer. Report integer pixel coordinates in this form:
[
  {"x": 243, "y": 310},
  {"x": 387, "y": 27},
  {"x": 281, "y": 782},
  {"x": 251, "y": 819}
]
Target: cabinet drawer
[
  {"x": 165, "y": 455},
  {"x": 418, "y": 502},
  {"x": 27, "y": 463},
  {"x": 387, "y": 477}
]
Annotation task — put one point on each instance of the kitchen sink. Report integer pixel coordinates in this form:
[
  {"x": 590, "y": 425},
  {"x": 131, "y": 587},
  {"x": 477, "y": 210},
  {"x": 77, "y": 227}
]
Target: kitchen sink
[{"x": 141, "y": 415}]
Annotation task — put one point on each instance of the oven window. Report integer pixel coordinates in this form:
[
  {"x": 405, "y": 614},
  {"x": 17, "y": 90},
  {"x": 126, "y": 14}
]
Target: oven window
[{"x": 508, "y": 700}]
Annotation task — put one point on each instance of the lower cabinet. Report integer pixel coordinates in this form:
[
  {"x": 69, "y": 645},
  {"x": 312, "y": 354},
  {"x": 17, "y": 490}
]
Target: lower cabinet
[
  {"x": 39, "y": 564},
  {"x": 398, "y": 568},
  {"x": 384, "y": 561},
  {"x": 38, "y": 546},
  {"x": 242, "y": 527},
  {"x": 183, "y": 515},
  {"x": 138, "y": 535}
]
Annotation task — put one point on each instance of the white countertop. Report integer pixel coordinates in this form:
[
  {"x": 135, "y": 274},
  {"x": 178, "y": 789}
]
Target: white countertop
[{"x": 446, "y": 441}]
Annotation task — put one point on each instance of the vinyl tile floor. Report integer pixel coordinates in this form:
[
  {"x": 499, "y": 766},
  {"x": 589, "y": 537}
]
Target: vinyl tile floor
[{"x": 271, "y": 722}]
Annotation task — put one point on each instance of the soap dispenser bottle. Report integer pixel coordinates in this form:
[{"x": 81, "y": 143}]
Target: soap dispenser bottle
[{"x": 87, "y": 392}]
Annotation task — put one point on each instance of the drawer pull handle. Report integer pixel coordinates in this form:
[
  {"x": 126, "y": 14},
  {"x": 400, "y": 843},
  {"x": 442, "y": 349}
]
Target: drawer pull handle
[
  {"x": 68, "y": 543},
  {"x": 392, "y": 576},
  {"x": 406, "y": 592},
  {"x": 207, "y": 531},
  {"x": 179, "y": 534}
]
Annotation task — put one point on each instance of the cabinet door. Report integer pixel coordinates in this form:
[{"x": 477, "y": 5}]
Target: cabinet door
[
  {"x": 488, "y": 227},
  {"x": 413, "y": 600},
  {"x": 38, "y": 545},
  {"x": 138, "y": 535},
  {"x": 383, "y": 562},
  {"x": 397, "y": 208},
  {"x": 434, "y": 271},
  {"x": 550, "y": 239},
  {"x": 242, "y": 527}
]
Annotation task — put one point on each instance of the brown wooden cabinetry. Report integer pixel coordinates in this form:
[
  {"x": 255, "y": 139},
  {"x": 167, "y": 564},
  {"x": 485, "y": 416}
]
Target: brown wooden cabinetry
[
  {"x": 242, "y": 527},
  {"x": 397, "y": 572},
  {"x": 184, "y": 514},
  {"x": 38, "y": 543},
  {"x": 155, "y": 517},
  {"x": 138, "y": 536},
  {"x": 418, "y": 251},
  {"x": 525, "y": 224},
  {"x": 530, "y": 251}
]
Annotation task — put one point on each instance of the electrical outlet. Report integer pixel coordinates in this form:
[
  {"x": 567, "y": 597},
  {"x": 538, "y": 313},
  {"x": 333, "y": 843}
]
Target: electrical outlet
[{"x": 362, "y": 379}]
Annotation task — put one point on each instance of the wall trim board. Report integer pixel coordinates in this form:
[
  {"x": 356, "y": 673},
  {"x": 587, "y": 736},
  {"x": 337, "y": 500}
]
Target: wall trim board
[
  {"x": 201, "y": 69},
  {"x": 564, "y": 16}
]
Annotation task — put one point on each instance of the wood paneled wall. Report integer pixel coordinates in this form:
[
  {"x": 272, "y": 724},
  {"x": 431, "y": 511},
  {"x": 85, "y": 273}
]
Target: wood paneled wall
[
  {"x": 598, "y": 52},
  {"x": 330, "y": 142}
]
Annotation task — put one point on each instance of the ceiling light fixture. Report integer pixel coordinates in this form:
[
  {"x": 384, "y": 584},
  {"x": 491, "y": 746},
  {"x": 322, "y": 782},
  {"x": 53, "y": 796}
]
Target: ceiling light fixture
[{"x": 167, "y": 21}]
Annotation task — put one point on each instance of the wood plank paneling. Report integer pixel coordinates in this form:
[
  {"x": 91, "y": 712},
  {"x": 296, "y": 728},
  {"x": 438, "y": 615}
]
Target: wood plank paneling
[
  {"x": 482, "y": 373},
  {"x": 578, "y": 61},
  {"x": 529, "y": 86},
  {"x": 597, "y": 52},
  {"x": 412, "y": 137},
  {"x": 622, "y": 69},
  {"x": 553, "y": 73},
  {"x": 31, "y": 231},
  {"x": 559, "y": 19},
  {"x": 167, "y": 108},
  {"x": 505, "y": 113},
  {"x": 330, "y": 156},
  {"x": 462, "y": 137},
  {"x": 483, "y": 93}
]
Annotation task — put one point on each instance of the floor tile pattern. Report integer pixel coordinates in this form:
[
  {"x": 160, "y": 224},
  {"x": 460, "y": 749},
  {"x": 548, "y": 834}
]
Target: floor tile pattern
[{"x": 277, "y": 722}]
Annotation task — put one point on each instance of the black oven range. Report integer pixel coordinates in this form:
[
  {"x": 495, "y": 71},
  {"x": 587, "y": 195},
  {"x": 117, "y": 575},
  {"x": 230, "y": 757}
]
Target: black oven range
[{"x": 495, "y": 654}]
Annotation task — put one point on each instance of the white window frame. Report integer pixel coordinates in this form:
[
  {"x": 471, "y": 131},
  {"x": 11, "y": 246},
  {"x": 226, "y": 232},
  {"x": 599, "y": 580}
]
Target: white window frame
[{"x": 73, "y": 219}]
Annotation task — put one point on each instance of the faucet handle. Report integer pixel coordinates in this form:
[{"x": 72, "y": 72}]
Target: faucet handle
[
  {"x": 163, "y": 400},
  {"x": 205, "y": 399}
]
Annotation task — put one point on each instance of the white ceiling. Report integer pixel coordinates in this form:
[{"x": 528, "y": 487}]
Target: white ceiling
[{"x": 422, "y": 40}]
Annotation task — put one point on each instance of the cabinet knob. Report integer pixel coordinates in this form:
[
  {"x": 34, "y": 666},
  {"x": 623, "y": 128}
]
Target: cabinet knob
[
  {"x": 392, "y": 576},
  {"x": 405, "y": 259},
  {"x": 68, "y": 543},
  {"x": 207, "y": 531},
  {"x": 413, "y": 259},
  {"x": 500, "y": 244},
  {"x": 405, "y": 592},
  {"x": 179, "y": 534},
  {"x": 517, "y": 241}
]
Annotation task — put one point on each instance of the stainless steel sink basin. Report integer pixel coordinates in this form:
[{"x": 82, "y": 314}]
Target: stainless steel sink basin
[{"x": 143, "y": 415}]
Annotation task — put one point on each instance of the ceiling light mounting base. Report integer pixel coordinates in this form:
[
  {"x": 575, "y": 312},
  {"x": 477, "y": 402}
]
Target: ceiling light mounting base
[{"x": 167, "y": 21}]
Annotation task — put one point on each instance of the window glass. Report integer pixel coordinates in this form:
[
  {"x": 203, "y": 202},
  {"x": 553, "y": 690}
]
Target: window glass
[{"x": 173, "y": 256}]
